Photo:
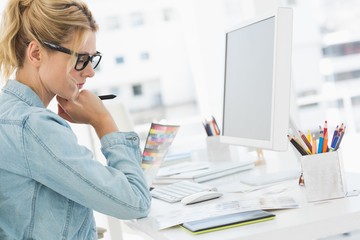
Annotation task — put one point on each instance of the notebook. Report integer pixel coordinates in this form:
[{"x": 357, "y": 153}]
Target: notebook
[
  {"x": 227, "y": 221},
  {"x": 157, "y": 145}
]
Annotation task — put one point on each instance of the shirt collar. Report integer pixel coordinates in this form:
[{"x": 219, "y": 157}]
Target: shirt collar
[{"x": 23, "y": 92}]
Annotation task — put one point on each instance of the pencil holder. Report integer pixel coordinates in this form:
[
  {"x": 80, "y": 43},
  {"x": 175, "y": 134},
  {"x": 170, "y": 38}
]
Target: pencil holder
[
  {"x": 216, "y": 150},
  {"x": 323, "y": 176}
]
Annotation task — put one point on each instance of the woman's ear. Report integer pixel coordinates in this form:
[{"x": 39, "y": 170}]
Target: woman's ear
[{"x": 34, "y": 53}]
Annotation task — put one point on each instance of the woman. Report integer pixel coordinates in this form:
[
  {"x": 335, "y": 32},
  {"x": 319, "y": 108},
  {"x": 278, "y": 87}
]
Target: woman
[{"x": 49, "y": 184}]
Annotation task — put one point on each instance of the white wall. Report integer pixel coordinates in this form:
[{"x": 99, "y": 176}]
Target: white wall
[{"x": 205, "y": 23}]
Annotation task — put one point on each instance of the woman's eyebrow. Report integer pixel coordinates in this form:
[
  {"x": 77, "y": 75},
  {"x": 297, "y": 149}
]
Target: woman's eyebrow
[{"x": 85, "y": 52}]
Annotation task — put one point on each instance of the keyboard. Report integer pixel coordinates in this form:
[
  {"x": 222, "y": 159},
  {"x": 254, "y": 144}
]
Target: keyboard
[{"x": 175, "y": 192}]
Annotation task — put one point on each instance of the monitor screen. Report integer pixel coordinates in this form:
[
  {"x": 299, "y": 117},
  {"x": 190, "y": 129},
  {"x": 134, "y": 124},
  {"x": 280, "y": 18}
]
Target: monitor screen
[{"x": 257, "y": 82}]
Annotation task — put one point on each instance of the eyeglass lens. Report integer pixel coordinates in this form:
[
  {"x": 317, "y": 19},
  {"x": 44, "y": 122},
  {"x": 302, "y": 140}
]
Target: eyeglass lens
[{"x": 84, "y": 59}]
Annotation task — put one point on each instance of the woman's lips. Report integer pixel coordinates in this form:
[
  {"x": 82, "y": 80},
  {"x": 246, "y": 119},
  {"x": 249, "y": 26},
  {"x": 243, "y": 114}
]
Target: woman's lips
[{"x": 80, "y": 85}]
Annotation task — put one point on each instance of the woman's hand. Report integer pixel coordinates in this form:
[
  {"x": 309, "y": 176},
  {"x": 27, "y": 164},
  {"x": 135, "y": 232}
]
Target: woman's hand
[{"x": 88, "y": 109}]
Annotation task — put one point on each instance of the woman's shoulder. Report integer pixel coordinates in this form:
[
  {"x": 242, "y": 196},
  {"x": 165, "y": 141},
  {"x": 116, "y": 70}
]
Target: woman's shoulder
[
  {"x": 20, "y": 112},
  {"x": 43, "y": 116}
]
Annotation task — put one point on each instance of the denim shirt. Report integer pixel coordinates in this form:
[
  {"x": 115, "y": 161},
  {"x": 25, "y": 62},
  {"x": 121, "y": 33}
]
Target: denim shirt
[{"x": 49, "y": 184}]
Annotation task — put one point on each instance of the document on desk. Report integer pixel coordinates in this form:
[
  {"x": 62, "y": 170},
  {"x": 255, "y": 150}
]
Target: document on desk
[
  {"x": 181, "y": 168},
  {"x": 217, "y": 209},
  {"x": 207, "y": 172}
]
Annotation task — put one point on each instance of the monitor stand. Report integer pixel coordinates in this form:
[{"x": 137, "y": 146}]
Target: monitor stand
[
  {"x": 261, "y": 175},
  {"x": 260, "y": 157}
]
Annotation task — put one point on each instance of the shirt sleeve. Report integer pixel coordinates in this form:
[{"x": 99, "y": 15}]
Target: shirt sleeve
[{"x": 56, "y": 160}]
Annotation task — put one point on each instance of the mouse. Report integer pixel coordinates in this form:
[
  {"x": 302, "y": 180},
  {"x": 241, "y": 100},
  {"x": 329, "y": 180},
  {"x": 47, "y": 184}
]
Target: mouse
[{"x": 200, "y": 197}]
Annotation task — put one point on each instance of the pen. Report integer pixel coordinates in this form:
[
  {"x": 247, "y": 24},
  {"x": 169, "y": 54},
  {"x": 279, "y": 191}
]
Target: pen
[{"x": 106, "y": 97}]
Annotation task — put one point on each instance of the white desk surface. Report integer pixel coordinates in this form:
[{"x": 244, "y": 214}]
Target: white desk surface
[{"x": 309, "y": 221}]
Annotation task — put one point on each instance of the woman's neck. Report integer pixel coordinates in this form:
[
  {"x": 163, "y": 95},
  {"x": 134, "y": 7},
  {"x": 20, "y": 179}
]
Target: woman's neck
[{"x": 32, "y": 80}]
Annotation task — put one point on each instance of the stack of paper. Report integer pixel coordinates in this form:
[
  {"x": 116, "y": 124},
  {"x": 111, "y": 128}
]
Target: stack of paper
[{"x": 213, "y": 171}]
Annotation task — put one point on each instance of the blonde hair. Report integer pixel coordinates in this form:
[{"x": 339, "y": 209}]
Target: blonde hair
[{"x": 55, "y": 21}]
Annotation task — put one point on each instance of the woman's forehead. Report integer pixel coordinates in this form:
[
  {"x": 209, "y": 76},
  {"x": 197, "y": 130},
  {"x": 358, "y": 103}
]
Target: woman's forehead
[{"x": 86, "y": 45}]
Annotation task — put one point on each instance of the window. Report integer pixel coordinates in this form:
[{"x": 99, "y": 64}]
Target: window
[
  {"x": 137, "y": 90},
  {"x": 98, "y": 68},
  {"x": 144, "y": 56},
  {"x": 115, "y": 90},
  {"x": 119, "y": 60},
  {"x": 341, "y": 76},
  {"x": 291, "y": 2},
  {"x": 112, "y": 23},
  {"x": 136, "y": 19},
  {"x": 339, "y": 50},
  {"x": 168, "y": 14}
]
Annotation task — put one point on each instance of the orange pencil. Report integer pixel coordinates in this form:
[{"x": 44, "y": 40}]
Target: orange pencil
[{"x": 325, "y": 145}]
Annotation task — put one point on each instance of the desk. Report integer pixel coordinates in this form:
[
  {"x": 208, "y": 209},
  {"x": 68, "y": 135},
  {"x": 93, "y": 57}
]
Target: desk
[{"x": 310, "y": 221}]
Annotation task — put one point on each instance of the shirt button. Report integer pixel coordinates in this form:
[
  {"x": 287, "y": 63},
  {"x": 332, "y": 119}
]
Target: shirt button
[{"x": 133, "y": 138}]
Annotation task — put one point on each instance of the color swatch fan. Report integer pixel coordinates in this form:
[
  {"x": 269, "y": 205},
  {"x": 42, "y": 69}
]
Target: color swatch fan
[{"x": 157, "y": 145}]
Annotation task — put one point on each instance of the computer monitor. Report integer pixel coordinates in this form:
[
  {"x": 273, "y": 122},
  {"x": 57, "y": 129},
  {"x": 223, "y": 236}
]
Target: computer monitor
[{"x": 256, "y": 104}]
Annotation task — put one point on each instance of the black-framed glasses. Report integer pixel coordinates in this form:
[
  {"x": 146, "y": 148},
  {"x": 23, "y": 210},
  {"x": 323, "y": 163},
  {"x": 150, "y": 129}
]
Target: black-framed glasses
[{"x": 82, "y": 60}]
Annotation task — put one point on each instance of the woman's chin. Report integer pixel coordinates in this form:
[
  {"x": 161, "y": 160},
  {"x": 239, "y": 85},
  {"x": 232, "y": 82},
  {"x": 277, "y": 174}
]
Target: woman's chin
[{"x": 74, "y": 95}]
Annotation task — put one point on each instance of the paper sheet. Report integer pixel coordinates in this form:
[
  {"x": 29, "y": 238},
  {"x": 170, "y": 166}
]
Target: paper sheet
[
  {"x": 181, "y": 168},
  {"x": 211, "y": 210}
]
